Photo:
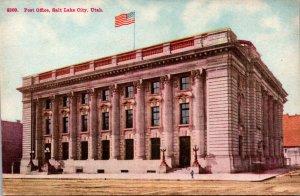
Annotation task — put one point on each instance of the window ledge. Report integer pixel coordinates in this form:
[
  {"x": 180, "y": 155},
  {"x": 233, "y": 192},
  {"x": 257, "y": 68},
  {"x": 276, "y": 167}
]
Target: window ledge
[
  {"x": 128, "y": 98},
  {"x": 184, "y": 125},
  {"x": 128, "y": 129},
  {"x": 155, "y": 127},
  {"x": 183, "y": 91},
  {"x": 103, "y": 131},
  {"x": 65, "y": 133}
]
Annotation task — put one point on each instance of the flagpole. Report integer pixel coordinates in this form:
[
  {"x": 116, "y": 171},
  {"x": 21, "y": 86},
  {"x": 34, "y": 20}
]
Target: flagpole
[{"x": 134, "y": 31}]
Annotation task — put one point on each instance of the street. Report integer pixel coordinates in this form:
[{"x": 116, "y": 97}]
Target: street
[{"x": 284, "y": 184}]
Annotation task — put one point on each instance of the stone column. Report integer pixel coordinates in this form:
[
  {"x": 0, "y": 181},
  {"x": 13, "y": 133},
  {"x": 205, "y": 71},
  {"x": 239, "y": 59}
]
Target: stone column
[
  {"x": 276, "y": 133},
  {"x": 92, "y": 125},
  {"x": 271, "y": 130},
  {"x": 73, "y": 127},
  {"x": 140, "y": 120},
  {"x": 265, "y": 125},
  {"x": 54, "y": 128},
  {"x": 167, "y": 114},
  {"x": 115, "y": 138},
  {"x": 39, "y": 131},
  {"x": 280, "y": 112},
  {"x": 275, "y": 129},
  {"x": 198, "y": 112}
]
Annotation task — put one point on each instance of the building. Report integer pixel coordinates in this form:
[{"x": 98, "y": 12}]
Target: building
[
  {"x": 291, "y": 139},
  {"x": 114, "y": 114},
  {"x": 11, "y": 146}
]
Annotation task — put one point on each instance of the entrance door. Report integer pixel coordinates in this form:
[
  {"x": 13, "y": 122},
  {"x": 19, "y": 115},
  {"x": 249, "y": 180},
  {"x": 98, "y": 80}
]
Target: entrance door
[
  {"x": 65, "y": 149},
  {"x": 129, "y": 149},
  {"x": 84, "y": 150},
  {"x": 185, "y": 151},
  {"x": 105, "y": 150},
  {"x": 155, "y": 148}
]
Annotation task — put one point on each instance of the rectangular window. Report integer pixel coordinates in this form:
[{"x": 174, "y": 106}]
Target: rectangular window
[
  {"x": 105, "y": 149},
  {"x": 155, "y": 148},
  {"x": 84, "y": 123},
  {"x": 105, "y": 121},
  {"x": 184, "y": 83},
  {"x": 129, "y": 119},
  {"x": 129, "y": 91},
  {"x": 48, "y": 104},
  {"x": 84, "y": 150},
  {"x": 85, "y": 98},
  {"x": 155, "y": 116},
  {"x": 65, "y": 124},
  {"x": 65, "y": 101},
  {"x": 129, "y": 149},
  {"x": 154, "y": 87},
  {"x": 184, "y": 113},
  {"x": 105, "y": 95},
  {"x": 48, "y": 126},
  {"x": 65, "y": 150}
]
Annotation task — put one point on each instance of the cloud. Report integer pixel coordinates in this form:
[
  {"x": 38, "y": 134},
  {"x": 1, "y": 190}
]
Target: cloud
[
  {"x": 199, "y": 15},
  {"x": 271, "y": 22},
  {"x": 296, "y": 21},
  {"x": 78, "y": 18},
  {"x": 149, "y": 12},
  {"x": 251, "y": 7},
  {"x": 28, "y": 45}
]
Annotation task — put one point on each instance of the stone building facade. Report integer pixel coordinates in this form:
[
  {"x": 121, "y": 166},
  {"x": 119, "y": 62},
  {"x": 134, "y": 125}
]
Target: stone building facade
[
  {"x": 11, "y": 146},
  {"x": 114, "y": 114}
]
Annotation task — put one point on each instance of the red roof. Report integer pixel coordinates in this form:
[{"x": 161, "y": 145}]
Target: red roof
[{"x": 291, "y": 130}]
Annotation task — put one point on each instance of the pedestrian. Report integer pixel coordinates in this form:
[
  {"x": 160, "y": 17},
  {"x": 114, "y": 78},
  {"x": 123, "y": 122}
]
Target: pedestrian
[{"x": 192, "y": 173}]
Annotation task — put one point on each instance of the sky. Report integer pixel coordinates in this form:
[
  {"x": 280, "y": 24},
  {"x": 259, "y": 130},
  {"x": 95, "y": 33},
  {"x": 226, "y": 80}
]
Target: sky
[{"x": 37, "y": 42}]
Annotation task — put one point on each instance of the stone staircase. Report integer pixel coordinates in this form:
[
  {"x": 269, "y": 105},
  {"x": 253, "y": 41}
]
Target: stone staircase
[
  {"x": 55, "y": 167},
  {"x": 38, "y": 173},
  {"x": 186, "y": 170}
]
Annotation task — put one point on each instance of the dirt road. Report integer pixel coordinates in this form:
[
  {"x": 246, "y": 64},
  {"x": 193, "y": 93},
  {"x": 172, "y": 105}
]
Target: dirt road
[{"x": 280, "y": 185}]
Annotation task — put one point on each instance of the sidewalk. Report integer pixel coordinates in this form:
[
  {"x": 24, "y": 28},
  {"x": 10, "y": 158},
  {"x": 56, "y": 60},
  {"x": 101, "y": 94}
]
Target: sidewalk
[{"x": 169, "y": 176}]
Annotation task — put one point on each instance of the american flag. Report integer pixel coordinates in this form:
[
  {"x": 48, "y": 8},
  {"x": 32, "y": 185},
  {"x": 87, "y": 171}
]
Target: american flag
[{"x": 125, "y": 19}]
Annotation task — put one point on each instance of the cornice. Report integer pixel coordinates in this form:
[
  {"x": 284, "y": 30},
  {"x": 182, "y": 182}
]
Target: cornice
[{"x": 186, "y": 56}]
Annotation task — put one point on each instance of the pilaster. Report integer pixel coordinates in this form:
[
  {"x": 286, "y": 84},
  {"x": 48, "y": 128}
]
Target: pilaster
[
  {"x": 271, "y": 128},
  {"x": 39, "y": 131},
  {"x": 167, "y": 115},
  {"x": 92, "y": 125},
  {"x": 115, "y": 138},
  {"x": 140, "y": 120},
  {"x": 199, "y": 111},
  {"x": 73, "y": 127},
  {"x": 266, "y": 125},
  {"x": 54, "y": 128}
]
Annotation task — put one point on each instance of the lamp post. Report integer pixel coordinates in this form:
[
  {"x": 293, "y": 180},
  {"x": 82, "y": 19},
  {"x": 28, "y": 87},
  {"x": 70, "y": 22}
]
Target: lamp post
[
  {"x": 163, "y": 161},
  {"x": 196, "y": 163},
  {"x": 31, "y": 164}
]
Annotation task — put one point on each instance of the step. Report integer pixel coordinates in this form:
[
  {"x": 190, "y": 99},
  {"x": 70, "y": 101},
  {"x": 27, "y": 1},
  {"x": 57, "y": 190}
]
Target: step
[{"x": 38, "y": 173}]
